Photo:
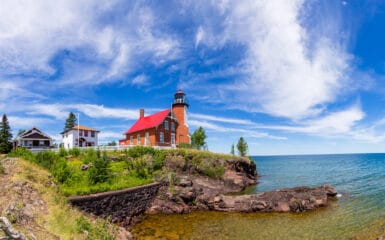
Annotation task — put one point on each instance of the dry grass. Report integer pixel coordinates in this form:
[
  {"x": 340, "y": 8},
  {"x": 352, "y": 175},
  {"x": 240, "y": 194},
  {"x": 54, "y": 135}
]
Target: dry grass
[{"x": 54, "y": 218}]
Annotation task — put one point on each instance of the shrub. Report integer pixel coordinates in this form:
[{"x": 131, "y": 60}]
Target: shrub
[
  {"x": 185, "y": 145},
  {"x": 99, "y": 172},
  {"x": 22, "y": 153},
  {"x": 139, "y": 151},
  {"x": 2, "y": 170},
  {"x": 61, "y": 171},
  {"x": 62, "y": 152},
  {"x": 90, "y": 156},
  {"x": 96, "y": 231},
  {"x": 46, "y": 159},
  {"x": 74, "y": 152}
]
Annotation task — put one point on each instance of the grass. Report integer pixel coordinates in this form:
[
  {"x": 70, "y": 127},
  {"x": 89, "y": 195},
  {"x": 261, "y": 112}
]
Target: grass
[
  {"x": 60, "y": 219},
  {"x": 133, "y": 167}
]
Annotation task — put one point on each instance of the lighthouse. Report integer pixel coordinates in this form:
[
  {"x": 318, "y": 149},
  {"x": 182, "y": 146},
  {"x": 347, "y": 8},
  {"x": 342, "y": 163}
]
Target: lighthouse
[{"x": 179, "y": 108}]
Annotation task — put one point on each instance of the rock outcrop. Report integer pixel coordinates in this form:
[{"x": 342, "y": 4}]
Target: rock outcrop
[
  {"x": 298, "y": 199},
  {"x": 197, "y": 192},
  {"x": 9, "y": 231}
]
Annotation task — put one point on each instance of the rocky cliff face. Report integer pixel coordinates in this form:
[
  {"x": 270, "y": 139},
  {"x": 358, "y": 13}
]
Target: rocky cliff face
[{"x": 197, "y": 192}]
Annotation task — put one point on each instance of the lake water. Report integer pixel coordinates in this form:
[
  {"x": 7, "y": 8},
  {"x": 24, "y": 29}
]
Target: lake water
[{"x": 358, "y": 214}]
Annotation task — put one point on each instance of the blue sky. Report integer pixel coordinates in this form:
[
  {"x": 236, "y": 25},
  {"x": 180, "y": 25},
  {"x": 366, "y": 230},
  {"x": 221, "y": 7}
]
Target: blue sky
[{"x": 292, "y": 77}]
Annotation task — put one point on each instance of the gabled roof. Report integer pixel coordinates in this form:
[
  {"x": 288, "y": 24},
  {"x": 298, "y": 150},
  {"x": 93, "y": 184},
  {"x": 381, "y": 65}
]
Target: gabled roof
[
  {"x": 34, "y": 133},
  {"x": 81, "y": 127},
  {"x": 150, "y": 121}
]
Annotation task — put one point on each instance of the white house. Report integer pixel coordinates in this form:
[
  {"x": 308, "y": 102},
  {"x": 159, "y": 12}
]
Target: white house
[
  {"x": 33, "y": 138},
  {"x": 87, "y": 137}
]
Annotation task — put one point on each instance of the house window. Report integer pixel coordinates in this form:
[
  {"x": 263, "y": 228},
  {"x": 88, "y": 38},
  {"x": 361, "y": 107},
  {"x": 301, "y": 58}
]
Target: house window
[
  {"x": 81, "y": 133},
  {"x": 131, "y": 140},
  {"x": 161, "y": 137},
  {"x": 138, "y": 140},
  {"x": 147, "y": 138},
  {"x": 92, "y": 134},
  {"x": 172, "y": 126},
  {"x": 166, "y": 125},
  {"x": 86, "y": 133}
]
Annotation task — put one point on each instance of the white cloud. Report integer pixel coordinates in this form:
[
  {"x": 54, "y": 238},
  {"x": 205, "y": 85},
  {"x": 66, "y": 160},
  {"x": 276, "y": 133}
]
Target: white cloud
[
  {"x": 199, "y": 36},
  {"x": 244, "y": 131},
  {"x": 61, "y": 111},
  {"x": 292, "y": 70},
  {"x": 33, "y": 33},
  {"x": 219, "y": 119},
  {"x": 140, "y": 80},
  {"x": 109, "y": 135},
  {"x": 17, "y": 122}
]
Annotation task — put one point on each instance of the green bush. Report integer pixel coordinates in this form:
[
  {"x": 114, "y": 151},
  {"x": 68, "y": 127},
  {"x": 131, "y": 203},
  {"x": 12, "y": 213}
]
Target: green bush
[
  {"x": 62, "y": 152},
  {"x": 100, "y": 171},
  {"x": 90, "y": 156},
  {"x": 2, "y": 170},
  {"x": 185, "y": 145},
  {"x": 94, "y": 231},
  {"x": 61, "y": 171},
  {"x": 139, "y": 151},
  {"x": 46, "y": 159},
  {"x": 75, "y": 152},
  {"x": 22, "y": 153}
]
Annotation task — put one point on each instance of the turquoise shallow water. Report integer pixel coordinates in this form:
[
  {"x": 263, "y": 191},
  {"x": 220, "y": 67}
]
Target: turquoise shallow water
[{"x": 358, "y": 214}]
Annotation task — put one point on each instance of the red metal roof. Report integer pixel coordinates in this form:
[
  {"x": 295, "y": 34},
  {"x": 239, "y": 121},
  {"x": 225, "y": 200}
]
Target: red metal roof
[{"x": 149, "y": 121}]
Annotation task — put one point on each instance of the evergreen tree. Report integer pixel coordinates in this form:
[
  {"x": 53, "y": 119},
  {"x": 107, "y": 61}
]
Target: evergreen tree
[
  {"x": 5, "y": 135},
  {"x": 198, "y": 138},
  {"x": 21, "y": 131},
  {"x": 70, "y": 122},
  {"x": 242, "y": 147},
  {"x": 232, "y": 149}
]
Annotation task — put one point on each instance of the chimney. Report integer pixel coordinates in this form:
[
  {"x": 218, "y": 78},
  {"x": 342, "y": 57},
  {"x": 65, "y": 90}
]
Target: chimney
[{"x": 141, "y": 113}]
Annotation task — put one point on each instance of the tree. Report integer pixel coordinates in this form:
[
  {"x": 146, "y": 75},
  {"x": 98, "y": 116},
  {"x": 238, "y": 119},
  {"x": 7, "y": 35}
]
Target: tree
[
  {"x": 242, "y": 147},
  {"x": 70, "y": 122},
  {"x": 5, "y": 135},
  {"x": 112, "y": 143},
  {"x": 21, "y": 131},
  {"x": 198, "y": 138},
  {"x": 100, "y": 171},
  {"x": 232, "y": 149}
]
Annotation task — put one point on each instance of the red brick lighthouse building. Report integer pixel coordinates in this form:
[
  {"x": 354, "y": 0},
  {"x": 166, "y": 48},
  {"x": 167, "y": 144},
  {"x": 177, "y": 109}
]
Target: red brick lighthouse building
[{"x": 166, "y": 128}]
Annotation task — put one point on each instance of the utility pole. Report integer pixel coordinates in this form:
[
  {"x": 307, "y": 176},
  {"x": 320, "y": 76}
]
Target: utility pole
[{"x": 78, "y": 130}]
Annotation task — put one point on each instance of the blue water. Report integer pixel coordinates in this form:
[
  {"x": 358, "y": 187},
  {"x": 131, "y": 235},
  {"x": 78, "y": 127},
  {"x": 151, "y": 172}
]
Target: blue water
[
  {"x": 358, "y": 214},
  {"x": 358, "y": 175}
]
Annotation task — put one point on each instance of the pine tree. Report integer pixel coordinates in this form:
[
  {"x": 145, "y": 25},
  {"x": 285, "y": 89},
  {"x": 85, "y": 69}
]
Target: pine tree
[
  {"x": 70, "y": 122},
  {"x": 5, "y": 135},
  {"x": 242, "y": 147},
  {"x": 198, "y": 138},
  {"x": 232, "y": 149}
]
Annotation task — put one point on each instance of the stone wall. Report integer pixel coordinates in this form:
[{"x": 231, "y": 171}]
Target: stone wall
[{"x": 120, "y": 206}]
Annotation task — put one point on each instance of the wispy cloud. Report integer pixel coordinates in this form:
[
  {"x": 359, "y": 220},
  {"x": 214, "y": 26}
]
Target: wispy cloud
[{"x": 60, "y": 111}]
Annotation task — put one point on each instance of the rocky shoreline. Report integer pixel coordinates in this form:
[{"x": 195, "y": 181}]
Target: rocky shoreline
[{"x": 196, "y": 192}]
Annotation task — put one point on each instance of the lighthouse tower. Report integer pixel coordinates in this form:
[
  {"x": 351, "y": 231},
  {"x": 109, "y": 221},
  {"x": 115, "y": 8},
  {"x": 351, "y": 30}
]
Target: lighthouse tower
[{"x": 179, "y": 108}]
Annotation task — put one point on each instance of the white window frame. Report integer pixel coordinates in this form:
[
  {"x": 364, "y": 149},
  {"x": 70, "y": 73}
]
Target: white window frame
[
  {"x": 131, "y": 140},
  {"x": 146, "y": 138},
  {"x": 138, "y": 139},
  {"x": 166, "y": 125},
  {"x": 172, "y": 126},
  {"x": 173, "y": 138},
  {"x": 161, "y": 137}
]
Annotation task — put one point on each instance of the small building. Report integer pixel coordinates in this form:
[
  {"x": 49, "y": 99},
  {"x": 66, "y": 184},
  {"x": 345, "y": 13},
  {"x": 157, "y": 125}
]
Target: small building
[
  {"x": 79, "y": 136},
  {"x": 34, "y": 138},
  {"x": 167, "y": 128}
]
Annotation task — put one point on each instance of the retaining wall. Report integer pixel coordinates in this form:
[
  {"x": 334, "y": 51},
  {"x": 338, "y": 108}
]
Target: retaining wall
[{"x": 120, "y": 206}]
